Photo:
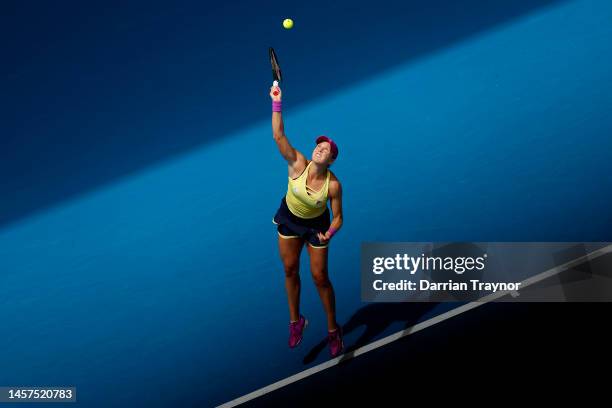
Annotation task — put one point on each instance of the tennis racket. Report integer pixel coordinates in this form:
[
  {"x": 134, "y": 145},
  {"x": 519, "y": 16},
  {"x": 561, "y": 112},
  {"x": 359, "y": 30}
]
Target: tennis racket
[{"x": 276, "y": 71}]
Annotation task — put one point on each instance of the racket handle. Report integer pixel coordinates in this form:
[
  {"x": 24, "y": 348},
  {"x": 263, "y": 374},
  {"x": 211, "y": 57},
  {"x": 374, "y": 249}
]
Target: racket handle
[{"x": 275, "y": 84}]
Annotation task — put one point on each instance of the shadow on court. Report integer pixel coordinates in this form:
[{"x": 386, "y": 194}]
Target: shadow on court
[
  {"x": 376, "y": 318},
  {"x": 140, "y": 85}
]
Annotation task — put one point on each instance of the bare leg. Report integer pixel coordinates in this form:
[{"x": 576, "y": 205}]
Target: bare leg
[
  {"x": 318, "y": 268},
  {"x": 290, "y": 250}
]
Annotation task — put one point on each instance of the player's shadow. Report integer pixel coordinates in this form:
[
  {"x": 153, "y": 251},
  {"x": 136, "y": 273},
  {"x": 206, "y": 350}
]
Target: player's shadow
[{"x": 376, "y": 317}]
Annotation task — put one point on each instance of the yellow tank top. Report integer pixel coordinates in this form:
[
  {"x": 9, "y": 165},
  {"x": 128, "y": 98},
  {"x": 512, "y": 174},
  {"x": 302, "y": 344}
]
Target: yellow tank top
[{"x": 306, "y": 204}]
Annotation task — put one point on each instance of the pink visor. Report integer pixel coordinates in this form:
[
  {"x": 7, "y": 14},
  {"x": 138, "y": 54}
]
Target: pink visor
[{"x": 334, "y": 147}]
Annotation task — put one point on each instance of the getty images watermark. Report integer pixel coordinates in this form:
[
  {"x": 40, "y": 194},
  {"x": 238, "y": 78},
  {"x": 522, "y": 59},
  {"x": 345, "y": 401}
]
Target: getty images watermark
[
  {"x": 458, "y": 265},
  {"x": 474, "y": 271}
]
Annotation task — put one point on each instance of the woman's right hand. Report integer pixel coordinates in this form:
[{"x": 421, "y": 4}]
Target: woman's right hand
[{"x": 277, "y": 97}]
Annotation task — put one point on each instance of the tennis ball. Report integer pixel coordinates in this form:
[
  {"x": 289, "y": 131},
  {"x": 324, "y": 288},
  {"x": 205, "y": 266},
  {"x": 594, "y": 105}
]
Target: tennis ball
[{"x": 288, "y": 23}]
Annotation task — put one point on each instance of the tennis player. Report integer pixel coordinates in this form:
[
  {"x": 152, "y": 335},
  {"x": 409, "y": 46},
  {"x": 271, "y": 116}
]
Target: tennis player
[{"x": 303, "y": 219}]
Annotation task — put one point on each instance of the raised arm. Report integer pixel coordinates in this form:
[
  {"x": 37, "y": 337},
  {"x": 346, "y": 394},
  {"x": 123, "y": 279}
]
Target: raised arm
[{"x": 294, "y": 158}]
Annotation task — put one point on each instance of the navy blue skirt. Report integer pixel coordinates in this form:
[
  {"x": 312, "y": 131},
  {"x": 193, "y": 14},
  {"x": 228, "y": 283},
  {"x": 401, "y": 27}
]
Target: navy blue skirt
[{"x": 291, "y": 226}]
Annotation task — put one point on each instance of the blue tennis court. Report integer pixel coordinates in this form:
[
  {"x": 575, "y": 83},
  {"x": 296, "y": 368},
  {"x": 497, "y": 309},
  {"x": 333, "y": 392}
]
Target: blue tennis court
[{"x": 139, "y": 261}]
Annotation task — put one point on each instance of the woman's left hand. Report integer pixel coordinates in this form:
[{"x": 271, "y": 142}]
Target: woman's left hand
[{"x": 324, "y": 238}]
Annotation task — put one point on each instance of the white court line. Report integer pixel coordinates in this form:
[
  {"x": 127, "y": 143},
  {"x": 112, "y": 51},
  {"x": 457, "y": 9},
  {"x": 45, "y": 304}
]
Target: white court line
[{"x": 413, "y": 329}]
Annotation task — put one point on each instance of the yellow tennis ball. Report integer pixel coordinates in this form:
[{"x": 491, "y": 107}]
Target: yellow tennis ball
[{"x": 288, "y": 23}]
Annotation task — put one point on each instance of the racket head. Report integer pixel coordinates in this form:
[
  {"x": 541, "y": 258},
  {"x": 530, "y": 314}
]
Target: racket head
[{"x": 276, "y": 70}]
